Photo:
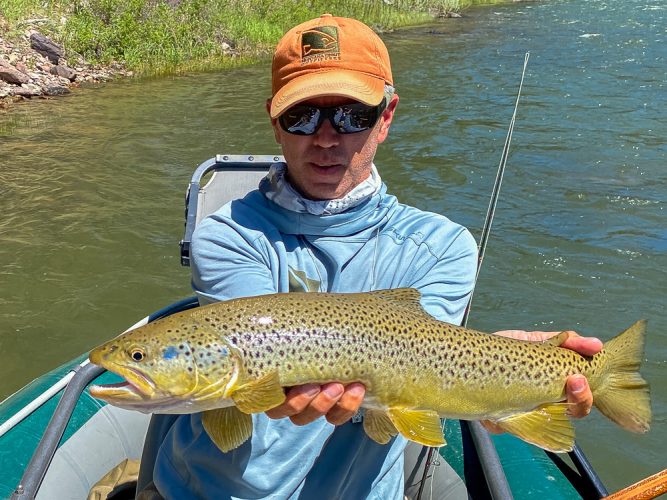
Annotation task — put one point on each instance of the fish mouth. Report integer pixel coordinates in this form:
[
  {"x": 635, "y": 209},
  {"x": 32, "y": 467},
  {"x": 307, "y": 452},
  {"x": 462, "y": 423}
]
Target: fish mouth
[{"x": 137, "y": 387}]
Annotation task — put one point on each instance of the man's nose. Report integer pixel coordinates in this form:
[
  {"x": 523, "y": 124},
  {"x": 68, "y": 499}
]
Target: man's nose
[{"x": 326, "y": 136}]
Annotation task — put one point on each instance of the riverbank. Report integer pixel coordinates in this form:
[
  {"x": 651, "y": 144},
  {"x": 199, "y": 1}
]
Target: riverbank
[
  {"x": 27, "y": 70},
  {"x": 46, "y": 50}
]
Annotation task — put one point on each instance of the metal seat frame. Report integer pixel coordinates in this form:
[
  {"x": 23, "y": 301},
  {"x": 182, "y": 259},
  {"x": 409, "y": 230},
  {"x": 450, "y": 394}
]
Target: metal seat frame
[{"x": 202, "y": 200}]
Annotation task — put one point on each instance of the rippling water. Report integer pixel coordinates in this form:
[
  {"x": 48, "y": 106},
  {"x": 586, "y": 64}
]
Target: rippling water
[{"x": 92, "y": 185}]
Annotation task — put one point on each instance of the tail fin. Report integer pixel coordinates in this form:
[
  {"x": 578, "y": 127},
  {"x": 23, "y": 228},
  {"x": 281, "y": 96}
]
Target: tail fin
[{"x": 623, "y": 395}]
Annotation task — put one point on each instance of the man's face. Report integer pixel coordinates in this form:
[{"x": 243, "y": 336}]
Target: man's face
[{"x": 328, "y": 165}]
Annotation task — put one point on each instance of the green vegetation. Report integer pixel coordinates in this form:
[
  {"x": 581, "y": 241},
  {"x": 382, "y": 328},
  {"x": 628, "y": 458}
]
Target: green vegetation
[{"x": 166, "y": 36}]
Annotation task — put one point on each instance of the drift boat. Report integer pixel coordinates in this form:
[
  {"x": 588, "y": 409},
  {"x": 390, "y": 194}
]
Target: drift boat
[{"x": 56, "y": 441}]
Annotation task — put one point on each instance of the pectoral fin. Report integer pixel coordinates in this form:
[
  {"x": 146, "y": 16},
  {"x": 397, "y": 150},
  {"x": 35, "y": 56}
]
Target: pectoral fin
[
  {"x": 547, "y": 426},
  {"x": 227, "y": 427},
  {"x": 259, "y": 395},
  {"x": 421, "y": 426},
  {"x": 378, "y": 426}
]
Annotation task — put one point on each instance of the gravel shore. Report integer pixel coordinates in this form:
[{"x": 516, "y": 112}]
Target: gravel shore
[{"x": 33, "y": 66}]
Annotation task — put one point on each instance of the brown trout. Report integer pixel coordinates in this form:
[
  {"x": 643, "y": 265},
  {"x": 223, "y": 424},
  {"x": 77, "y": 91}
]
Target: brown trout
[{"x": 231, "y": 359}]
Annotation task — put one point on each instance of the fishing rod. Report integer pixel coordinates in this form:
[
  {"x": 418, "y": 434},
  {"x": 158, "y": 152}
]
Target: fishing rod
[
  {"x": 495, "y": 193},
  {"x": 487, "y": 454},
  {"x": 489, "y": 459}
]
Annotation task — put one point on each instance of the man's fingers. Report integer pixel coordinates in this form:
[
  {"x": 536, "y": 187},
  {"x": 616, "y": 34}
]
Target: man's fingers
[
  {"x": 306, "y": 403},
  {"x": 320, "y": 405},
  {"x": 347, "y": 405},
  {"x": 579, "y": 396},
  {"x": 296, "y": 400},
  {"x": 586, "y": 346}
]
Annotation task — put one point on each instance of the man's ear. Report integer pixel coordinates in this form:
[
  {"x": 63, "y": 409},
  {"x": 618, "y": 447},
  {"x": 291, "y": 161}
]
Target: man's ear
[{"x": 386, "y": 118}]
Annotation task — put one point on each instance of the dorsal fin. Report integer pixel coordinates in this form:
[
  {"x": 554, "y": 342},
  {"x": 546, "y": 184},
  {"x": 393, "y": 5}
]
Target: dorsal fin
[{"x": 407, "y": 298}]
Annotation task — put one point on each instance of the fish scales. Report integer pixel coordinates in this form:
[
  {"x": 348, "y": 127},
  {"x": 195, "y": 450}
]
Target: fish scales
[
  {"x": 455, "y": 358},
  {"x": 415, "y": 368}
]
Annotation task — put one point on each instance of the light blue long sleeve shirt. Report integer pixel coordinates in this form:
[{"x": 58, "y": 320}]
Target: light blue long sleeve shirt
[{"x": 252, "y": 247}]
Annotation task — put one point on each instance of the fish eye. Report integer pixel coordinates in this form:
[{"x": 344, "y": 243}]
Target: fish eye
[{"x": 137, "y": 354}]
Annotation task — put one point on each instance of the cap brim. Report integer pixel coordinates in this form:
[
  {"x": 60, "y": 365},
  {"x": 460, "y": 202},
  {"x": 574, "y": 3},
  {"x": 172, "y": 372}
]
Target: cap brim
[{"x": 358, "y": 86}]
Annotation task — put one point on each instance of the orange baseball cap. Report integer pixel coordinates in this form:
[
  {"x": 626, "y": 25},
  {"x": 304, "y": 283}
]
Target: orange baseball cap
[{"x": 329, "y": 56}]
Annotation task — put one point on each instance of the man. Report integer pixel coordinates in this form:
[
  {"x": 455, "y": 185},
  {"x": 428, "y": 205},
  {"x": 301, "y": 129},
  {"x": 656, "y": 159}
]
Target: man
[{"x": 323, "y": 221}]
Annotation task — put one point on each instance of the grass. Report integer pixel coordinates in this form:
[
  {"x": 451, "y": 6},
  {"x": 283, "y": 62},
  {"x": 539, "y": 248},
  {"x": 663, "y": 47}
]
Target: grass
[{"x": 169, "y": 36}]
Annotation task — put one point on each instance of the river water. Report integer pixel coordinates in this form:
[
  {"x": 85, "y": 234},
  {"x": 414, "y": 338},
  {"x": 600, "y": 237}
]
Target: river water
[{"x": 92, "y": 187}]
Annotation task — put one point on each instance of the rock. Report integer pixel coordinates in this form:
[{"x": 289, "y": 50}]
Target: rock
[
  {"x": 449, "y": 14},
  {"x": 56, "y": 90},
  {"x": 63, "y": 71},
  {"x": 28, "y": 90},
  {"x": 10, "y": 74},
  {"x": 46, "y": 47}
]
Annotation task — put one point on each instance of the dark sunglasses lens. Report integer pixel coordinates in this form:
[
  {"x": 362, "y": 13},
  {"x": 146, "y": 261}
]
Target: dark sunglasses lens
[
  {"x": 346, "y": 119},
  {"x": 352, "y": 118},
  {"x": 300, "y": 120}
]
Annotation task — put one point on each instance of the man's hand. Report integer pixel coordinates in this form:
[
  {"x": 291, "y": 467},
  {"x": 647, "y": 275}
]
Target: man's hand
[
  {"x": 578, "y": 393},
  {"x": 306, "y": 403}
]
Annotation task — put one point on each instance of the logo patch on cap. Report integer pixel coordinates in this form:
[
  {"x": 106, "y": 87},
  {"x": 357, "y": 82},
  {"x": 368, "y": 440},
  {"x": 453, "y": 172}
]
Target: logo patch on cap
[{"x": 319, "y": 44}]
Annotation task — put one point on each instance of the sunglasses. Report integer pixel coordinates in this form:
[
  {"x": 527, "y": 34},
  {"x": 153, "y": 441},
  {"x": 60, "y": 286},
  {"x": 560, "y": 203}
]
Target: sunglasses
[{"x": 303, "y": 119}]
